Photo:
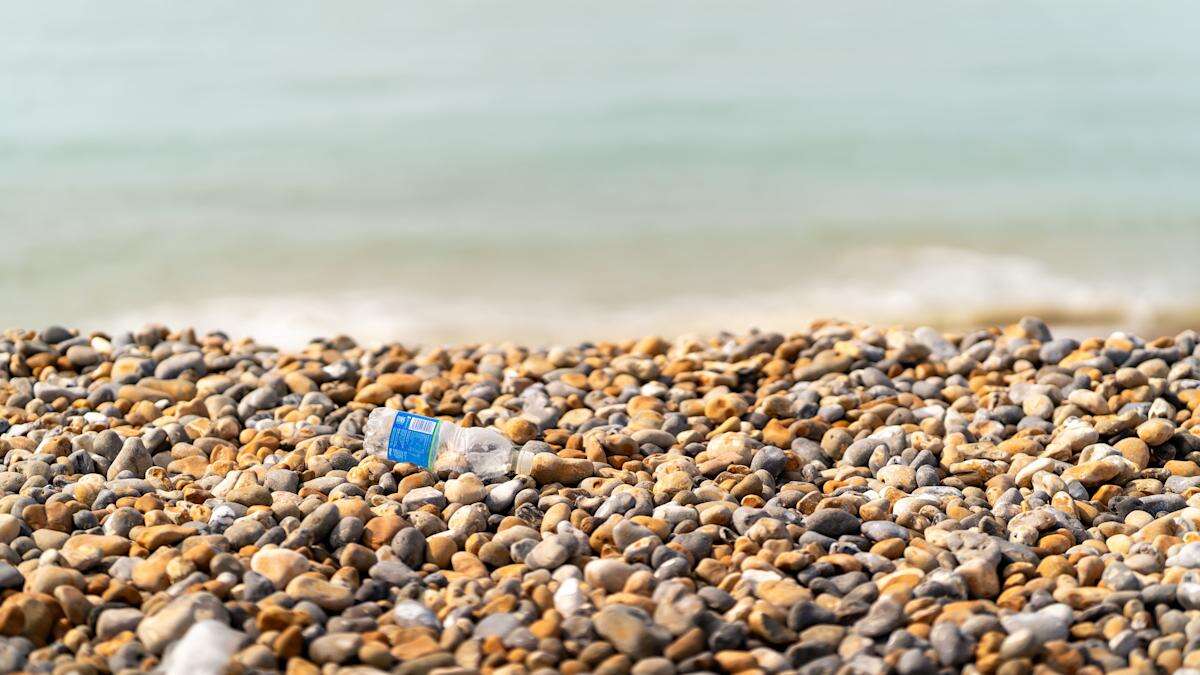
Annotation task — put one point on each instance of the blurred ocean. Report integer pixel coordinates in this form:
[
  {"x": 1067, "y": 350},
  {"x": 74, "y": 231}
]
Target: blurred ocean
[{"x": 428, "y": 171}]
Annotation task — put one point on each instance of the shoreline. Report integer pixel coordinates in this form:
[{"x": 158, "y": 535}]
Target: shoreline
[
  {"x": 840, "y": 495},
  {"x": 290, "y": 323},
  {"x": 547, "y": 300}
]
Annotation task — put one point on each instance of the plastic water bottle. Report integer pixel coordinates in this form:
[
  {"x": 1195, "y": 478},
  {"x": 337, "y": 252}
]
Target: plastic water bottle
[{"x": 431, "y": 443}]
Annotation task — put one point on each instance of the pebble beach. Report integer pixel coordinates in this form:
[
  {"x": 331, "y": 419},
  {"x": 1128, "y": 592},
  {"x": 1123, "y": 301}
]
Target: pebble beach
[{"x": 844, "y": 498}]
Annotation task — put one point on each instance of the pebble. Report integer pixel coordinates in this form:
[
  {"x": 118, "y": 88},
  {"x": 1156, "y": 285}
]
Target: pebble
[
  {"x": 629, "y": 629},
  {"x": 112, "y": 622},
  {"x": 409, "y": 613},
  {"x": 171, "y": 621},
  {"x": 279, "y": 565},
  {"x": 833, "y": 522},
  {"x": 1046, "y": 624},
  {"x": 14, "y": 651},
  {"x": 548, "y": 554},
  {"x": 326, "y": 595},
  {"x": 335, "y": 647},
  {"x": 206, "y": 648},
  {"x": 608, "y": 574},
  {"x": 46, "y": 579},
  {"x": 497, "y": 625},
  {"x": 466, "y": 489}
]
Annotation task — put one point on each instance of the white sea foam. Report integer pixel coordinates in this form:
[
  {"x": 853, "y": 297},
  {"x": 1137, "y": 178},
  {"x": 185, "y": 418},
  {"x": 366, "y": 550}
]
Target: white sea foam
[{"x": 944, "y": 287}]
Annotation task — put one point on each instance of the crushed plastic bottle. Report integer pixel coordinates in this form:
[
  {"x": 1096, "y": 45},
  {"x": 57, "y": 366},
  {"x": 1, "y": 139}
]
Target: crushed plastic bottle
[{"x": 434, "y": 444}]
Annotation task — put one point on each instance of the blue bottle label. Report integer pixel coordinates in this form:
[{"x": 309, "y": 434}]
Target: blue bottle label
[{"x": 412, "y": 439}]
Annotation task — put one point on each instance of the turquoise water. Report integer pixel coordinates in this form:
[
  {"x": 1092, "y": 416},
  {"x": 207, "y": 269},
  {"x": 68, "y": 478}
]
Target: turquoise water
[{"x": 540, "y": 170}]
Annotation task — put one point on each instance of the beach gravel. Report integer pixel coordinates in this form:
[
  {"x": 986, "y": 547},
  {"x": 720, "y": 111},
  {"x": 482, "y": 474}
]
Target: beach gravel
[{"x": 841, "y": 499}]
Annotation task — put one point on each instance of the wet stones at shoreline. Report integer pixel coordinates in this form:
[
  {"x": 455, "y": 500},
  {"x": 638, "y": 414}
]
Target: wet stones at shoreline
[{"x": 843, "y": 498}]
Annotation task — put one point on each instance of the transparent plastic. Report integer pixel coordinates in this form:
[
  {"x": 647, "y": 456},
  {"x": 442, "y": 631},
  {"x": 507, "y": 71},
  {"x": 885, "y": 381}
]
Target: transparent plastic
[{"x": 484, "y": 452}]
